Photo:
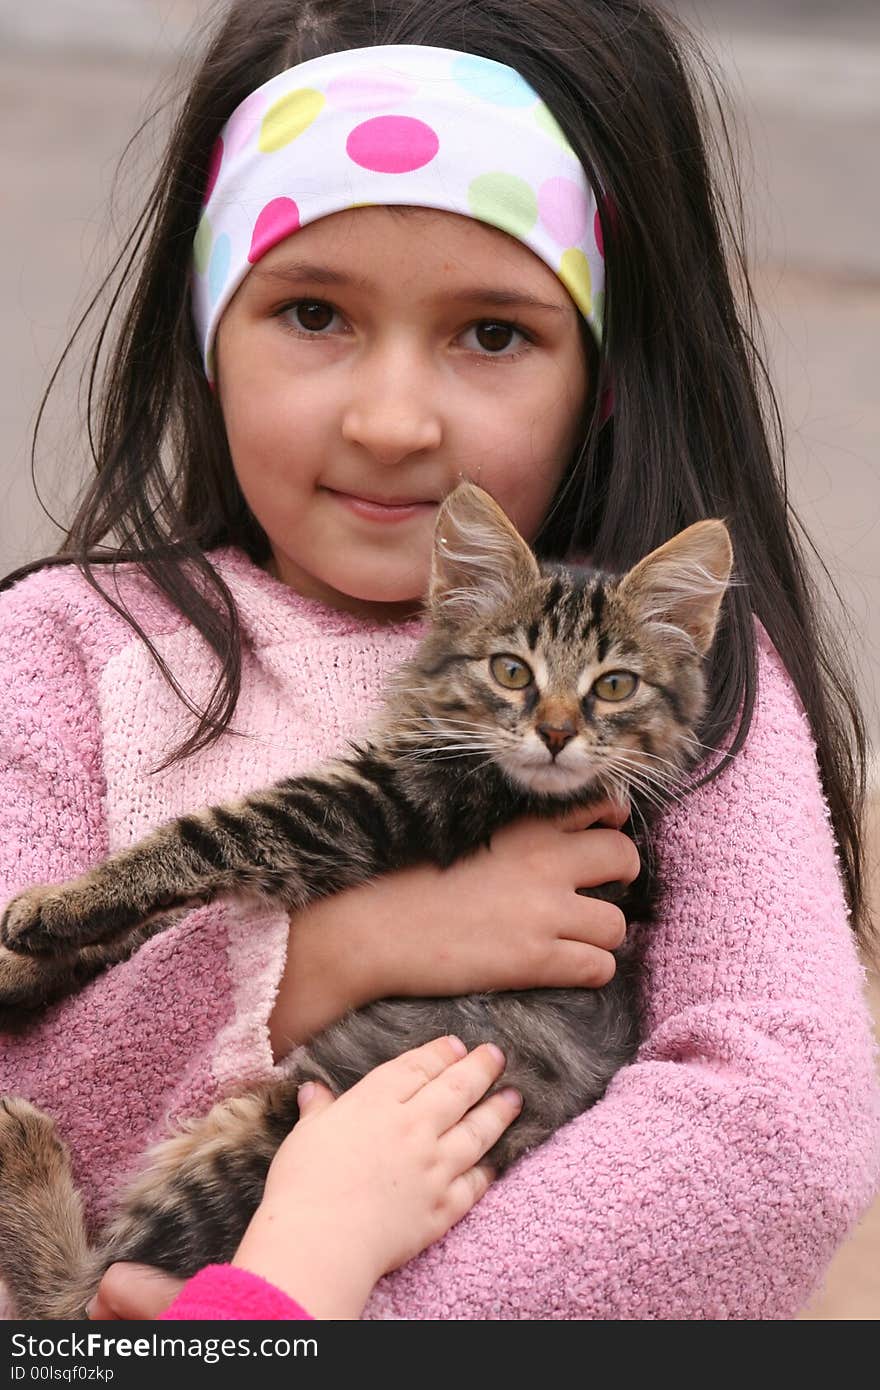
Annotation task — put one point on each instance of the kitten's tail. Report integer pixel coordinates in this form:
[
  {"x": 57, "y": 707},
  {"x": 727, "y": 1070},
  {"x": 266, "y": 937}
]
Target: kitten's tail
[{"x": 45, "y": 1261}]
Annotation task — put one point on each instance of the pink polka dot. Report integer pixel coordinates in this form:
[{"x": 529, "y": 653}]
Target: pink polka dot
[
  {"x": 392, "y": 144},
  {"x": 563, "y": 208},
  {"x": 214, "y": 167},
  {"x": 245, "y": 124},
  {"x": 277, "y": 220},
  {"x": 609, "y": 212},
  {"x": 369, "y": 91}
]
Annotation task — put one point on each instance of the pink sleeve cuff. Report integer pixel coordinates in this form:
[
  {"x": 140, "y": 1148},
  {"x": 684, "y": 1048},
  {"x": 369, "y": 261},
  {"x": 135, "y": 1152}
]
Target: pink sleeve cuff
[{"x": 224, "y": 1292}]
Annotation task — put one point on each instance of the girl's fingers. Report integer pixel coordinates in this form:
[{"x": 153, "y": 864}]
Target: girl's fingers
[
  {"x": 468, "y": 1141},
  {"x": 575, "y": 965},
  {"x": 607, "y": 812},
  {"x": 405, "y": 1076},
  {"x": 450, "y": 1096},
  {"x": 133, "y": 1292},
  {"x": 611, "y": 857},
  {"x": 465, "y": 1191},
  {"x": 313, "y": 1097},
  {"x": 600, "y": 924}
]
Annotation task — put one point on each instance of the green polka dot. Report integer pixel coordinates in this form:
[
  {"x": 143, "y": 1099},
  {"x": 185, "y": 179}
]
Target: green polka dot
[
  {"x": 599, "y": 311},
  {"x": 202, "y": 245},
  {"x": 549, "y": 124},
  {"x": 574, "y": 272},
  {"x": 289, "y": 117},
  {"x": 504, "y": 201}
]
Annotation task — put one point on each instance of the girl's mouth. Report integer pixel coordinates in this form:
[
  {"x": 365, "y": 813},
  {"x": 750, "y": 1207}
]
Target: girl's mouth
[{"x": 372, "y": 510}]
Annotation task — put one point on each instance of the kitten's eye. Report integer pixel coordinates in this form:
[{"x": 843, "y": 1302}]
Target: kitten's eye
[
  {"x": 615, "y": 685},
  {"x": 510, "y": 672}
]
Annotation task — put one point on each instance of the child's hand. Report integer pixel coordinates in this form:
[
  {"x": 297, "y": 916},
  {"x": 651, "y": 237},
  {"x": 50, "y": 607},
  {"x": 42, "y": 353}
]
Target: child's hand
[
  {"x": 365, "y": 1182},
  {"x": 505, "y": 918},
  {"x": 360, "y": 1185}
]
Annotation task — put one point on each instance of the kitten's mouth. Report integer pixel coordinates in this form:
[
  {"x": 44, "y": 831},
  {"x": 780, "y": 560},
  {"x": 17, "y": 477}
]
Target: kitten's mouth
[{"x": 547, "y": 778}]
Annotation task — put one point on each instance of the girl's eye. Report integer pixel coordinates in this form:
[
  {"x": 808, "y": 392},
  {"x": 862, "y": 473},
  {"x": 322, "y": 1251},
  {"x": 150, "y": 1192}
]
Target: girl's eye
[
  {"x": 510, "y": 672},
  {"x": 493, "y": 336},
  {"x": 311, "y": 315},
  {"x": 616, "y": 685}
]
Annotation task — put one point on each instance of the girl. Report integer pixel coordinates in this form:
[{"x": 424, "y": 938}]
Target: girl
[{"x": 535, "y": 296}]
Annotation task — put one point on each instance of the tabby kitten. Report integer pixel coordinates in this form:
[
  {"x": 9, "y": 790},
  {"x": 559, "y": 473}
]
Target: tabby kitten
[{"x": 537, "y": 688}]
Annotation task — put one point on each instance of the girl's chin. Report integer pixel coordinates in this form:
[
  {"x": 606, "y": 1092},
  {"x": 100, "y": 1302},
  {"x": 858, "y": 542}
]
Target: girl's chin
[
  {"x": 376, "y": 591},
  {"x": 345, "y": 590},
  {"x": 376, "y": 610},
  {"x": 382, "y": 597},
  {"x": 381, "y": 601}
]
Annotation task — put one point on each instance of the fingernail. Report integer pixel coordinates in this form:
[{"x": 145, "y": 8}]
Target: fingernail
[
  {"x": 512, "y": 1096},
  {"x": 497, "y": 1054},
  {"x": 457, "y": 1046},
  {"x": 89, "y": 1306},
  {"x": 305, "y": 1093}
]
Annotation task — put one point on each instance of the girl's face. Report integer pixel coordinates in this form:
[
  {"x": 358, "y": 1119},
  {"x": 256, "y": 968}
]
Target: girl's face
[{"x": 366, "y": 365}]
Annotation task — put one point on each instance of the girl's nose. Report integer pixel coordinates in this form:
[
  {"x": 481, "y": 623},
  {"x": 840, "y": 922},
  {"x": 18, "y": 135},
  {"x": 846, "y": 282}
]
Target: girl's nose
[{"x": 392, "y": 411}]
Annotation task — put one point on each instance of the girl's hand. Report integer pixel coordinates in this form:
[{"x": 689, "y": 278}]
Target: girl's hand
[
  {"x": 360, "y": 1185},
  {"x": 365, "y": 1182},
  {"x": 507, "y": 917}
]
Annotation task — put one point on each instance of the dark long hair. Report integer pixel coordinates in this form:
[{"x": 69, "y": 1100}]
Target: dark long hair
[{"x": 695, "y": 430}]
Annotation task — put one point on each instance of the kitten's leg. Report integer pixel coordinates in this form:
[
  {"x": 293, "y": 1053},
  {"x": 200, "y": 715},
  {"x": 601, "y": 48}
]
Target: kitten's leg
[
  {"x": 103, "y": 905},
  {"x": 294, "y": 842},
  {"x": 30, "y": 983},
  {"x": 192, "y": 1203},
  {"x": 188, "y": 1208},
  {"x": 45, "y": 1260}
]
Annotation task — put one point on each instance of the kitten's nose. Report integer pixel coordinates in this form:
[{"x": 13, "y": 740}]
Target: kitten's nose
[{"x": 556, "y": 736}]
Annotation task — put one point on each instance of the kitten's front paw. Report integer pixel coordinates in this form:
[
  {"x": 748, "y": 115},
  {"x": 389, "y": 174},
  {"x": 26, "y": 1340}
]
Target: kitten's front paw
[
  {"x": 37, "y": 920},
  {"x": 22, "y": 979}
]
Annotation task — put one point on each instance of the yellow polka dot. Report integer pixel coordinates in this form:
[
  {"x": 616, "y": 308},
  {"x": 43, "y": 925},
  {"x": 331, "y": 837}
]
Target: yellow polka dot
[
  {"x": 599, "y": 311},
  {"x": 288, "y": 117},
  {"x": 549, "y": 124},
  {"x": 574, "y": 272}
]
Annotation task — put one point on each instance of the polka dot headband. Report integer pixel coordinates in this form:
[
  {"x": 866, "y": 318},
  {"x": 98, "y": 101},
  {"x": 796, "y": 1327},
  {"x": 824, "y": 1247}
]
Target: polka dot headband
[{"x": 398, "y": 124}]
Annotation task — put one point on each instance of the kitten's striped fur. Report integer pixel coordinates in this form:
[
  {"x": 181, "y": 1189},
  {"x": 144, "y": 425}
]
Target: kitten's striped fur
[{"x": 456, "y": 754}]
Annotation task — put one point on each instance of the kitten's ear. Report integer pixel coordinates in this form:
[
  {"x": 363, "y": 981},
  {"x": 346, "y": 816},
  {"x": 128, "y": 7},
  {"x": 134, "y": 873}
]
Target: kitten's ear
[
  {"x": 682, "y": 583},
  {"x": 479, "y": 558}
]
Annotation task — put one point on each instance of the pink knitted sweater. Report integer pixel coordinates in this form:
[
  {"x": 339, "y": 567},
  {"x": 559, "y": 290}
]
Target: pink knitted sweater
[{"x": 723, "y": 1167}]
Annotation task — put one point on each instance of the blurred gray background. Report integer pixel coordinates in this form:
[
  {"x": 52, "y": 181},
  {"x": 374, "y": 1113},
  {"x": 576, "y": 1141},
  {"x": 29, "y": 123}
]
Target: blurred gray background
[{"x": 78, "y": 76}]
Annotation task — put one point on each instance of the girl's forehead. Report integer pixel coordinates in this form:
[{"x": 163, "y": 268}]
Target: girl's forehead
[{"x": 374, "y": 243}]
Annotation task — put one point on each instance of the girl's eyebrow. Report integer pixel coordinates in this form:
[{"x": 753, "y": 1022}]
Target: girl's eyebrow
[
  {"x": 323, "y": 275},
  {"x": 513, "y": 298}
]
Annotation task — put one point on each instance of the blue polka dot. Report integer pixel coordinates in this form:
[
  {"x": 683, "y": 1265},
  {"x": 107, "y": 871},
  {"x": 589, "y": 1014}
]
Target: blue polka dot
[
  {"x": 219, "y": 266},
  {"x": 491, "y": 81}
]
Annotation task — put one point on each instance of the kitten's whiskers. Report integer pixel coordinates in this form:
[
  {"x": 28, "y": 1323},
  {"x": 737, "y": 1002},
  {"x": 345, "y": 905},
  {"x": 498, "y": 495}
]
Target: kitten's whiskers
[{"x": 655, "y": 786}]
